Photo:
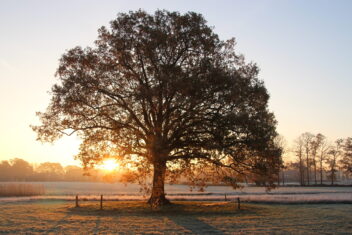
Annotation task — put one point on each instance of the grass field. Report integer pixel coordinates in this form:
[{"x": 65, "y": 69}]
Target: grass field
[{"x": 60, "y": 217}]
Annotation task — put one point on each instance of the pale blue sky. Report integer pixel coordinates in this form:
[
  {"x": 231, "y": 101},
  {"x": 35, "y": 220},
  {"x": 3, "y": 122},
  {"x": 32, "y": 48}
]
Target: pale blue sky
[{"x": 303, "y": 48}]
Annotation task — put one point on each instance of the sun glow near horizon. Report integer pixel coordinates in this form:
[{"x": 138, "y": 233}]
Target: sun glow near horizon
[{"x": 109, "y": 165}]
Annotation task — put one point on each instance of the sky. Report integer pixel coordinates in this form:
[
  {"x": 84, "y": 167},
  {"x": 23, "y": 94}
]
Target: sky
[{"x": 303, "y": 49}]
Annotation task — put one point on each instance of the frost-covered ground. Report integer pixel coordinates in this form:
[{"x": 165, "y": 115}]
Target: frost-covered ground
[
  {"x": 118, "y": 191},
  {"x": 121, "y": 217}
]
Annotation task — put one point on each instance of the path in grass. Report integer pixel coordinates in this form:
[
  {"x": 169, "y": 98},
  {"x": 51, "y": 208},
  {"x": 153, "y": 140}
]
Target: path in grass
[{"x": 182, "y": 217}]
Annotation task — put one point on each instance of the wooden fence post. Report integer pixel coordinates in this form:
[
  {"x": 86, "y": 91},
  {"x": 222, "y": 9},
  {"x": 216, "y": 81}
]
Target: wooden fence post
[
  {"x": 101, "y": 202},
  {"x": 77, "y": 201},
  {"x": 238, "y": 203},
  {"x": 225, "y": 197}
]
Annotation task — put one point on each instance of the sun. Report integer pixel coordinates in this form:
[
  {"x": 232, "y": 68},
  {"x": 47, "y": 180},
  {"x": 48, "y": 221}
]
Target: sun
[{"x": 109, "y": 165}]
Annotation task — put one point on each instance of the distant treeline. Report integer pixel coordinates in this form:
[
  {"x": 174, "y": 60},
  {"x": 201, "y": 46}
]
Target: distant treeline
[
  {"x": 20, "y": 170},
  {"x": 318, "y": 161}
]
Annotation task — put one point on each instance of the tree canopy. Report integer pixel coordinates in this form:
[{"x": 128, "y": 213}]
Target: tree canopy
[{"x": 163, "y": 94}]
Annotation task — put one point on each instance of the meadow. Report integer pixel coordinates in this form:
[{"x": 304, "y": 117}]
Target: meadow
[
  {"x": 285, "y": 210},
  {"x": 135, "y": 217},
  {"x": 119, "y": 191}
]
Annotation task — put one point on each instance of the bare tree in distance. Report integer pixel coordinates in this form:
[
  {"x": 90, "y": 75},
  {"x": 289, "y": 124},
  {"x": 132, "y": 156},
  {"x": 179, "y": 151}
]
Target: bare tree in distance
[
  {"x": 332, "y": 160},
  {"x": 281, "y": 142},
  {"x": 322, "y": 151},
  {"x": 164, "y": 94},
  {"x": 51, "y": 171},
  {"x": 298, "y": 150},
  {"x": 346, "y": 161},
  {"x": 315, "y": 145},
  {"x": 5, "y": 170},
  {"x": 307, "y": 138},
  {"x": 21, "y": 169}
]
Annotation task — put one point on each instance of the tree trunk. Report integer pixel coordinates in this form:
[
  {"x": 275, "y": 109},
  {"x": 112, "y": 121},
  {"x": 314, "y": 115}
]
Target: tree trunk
[
  {"x": 301, "y": 173},
  {"x": 157, "y": 198},
  {"x": 307, "y": 169},
  {"x": 321, "y": 172},
  {"x": 315, "y": 172}
]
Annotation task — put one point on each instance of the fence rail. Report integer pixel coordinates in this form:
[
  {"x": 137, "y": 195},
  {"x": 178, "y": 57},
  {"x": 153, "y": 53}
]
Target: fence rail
[{"x": 102, "y": 199}]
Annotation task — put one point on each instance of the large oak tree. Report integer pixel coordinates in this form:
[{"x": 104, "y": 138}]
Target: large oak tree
[{"x": 162, "y": 91}]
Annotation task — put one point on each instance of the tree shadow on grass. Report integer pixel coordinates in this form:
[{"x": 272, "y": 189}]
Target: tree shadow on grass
[
  {"x": 97, "y": 225},
  {"x": 181, "y": 215},
  {"x": 58, "y": 224},
  {"x": 187, "y": 215},
  {"x": 194, "y": 225}
]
